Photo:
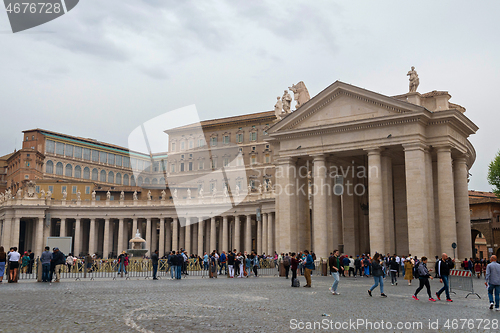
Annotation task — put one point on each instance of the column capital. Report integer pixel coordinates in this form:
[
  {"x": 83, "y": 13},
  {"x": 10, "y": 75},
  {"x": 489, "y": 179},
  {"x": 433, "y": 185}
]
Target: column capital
[
  {"x": 443, "y": 148},
  {"x": 286, "y": 160},
  {"x": 318, "y": 158},
  {"x": 415, "y": 146},
  {"x": 461, "y": 159},
  {"x": 373, "y": 150}
]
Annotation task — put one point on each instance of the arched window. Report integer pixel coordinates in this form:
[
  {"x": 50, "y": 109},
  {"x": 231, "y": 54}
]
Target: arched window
[
  {"x": 111, "y": 177},
  {"x": 68, "y": 172},
  {"x": 162, "y": 181},
  {"x": 103, "y": 176},
  {"x": 78, "y": 171},
  {"x": 118, "y": 179},
  {"x": 125, "y": 180},
  {"x": 95, "y": 174},
  {"x": 146, "y": 181},
  {"x": 86, "y": 173},
  {"x": 49, "y": 167},
  {"x": 155, "y": 181},
  {"x": 59, "y": 169},
  {"x": 132, "y": 181},
  {"x": 139, "y": 181}
]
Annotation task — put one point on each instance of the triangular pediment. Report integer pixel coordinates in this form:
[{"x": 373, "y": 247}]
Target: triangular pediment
[{"x": 342, "y": 103}]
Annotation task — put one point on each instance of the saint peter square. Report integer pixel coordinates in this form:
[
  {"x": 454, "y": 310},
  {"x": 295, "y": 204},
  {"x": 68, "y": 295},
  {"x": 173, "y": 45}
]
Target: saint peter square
[{"x": 269, "y": 166}]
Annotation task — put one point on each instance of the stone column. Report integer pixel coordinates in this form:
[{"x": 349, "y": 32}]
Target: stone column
[
  {"x": 319, "y": 207},
  {"x": 16, "y": 229},
  {"x": 62, "y": 230},
  {"x": 264, "y": 233},
  {"x": 149, "y": 246},
  {"x": 78, "y": 237},
  {"x": 194, "y": 237},
  {"x": 201, "y": 225},
  {"x": 134, "y": 226},
  {"x": 237, "y": 233},
  {"x": 248, "y": 234},
  {"x": 182, "y": 237},
  {"x": 168, "y": 236},
  {"x": 446, "y": 200},
  {"x": 188, "y": 236},
  {"x": 338, "y": 236},
  {"x": 415, "y": 171},
  {"x": 286, "y": 220},
  {"x": 225, "y": 234},
  {"x": 213, "y": 234},
  {"x": 7, "y": 231},
  {"x": 39, "y": 248},
  {"x": 175, "y": 234},
  {"x": 106, "y": 245},
  {"x": 387, "y": 189},
  {"x": 400, "y": 210},
  {"x": 302, "y": 240},
  {"x": 92, "y": 248},
  {"x": 270, "y": 234},
  {"x": 121, "y": 231},
  {"x": 259, "y": 235},
  {"x": 464, "y": 238},
  {"x": 432, "y": 248},
  {"x": 161, "y": 248},
  {"x": 375, "y": 202}
]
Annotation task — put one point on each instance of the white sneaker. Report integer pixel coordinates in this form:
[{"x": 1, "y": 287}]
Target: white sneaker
[{"x": 497, "y": 309}]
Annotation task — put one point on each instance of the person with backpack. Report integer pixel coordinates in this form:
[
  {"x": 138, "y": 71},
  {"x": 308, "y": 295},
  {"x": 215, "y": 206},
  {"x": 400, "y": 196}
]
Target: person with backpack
[
  {"x": 423, "y": 276},
  {"x": 286, "y": 264},
  {"x": 366, "y": 266},
  {"x": 378, "y": 275},
  {"x": 222, "y": 263},
  {"x": 334, "y": 263},
  {"x": 59, "y": 260}
]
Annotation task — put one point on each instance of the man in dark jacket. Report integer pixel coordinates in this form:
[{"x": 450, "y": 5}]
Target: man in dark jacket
[
  {"x": 170, "y": 264},
  {"x": 357, "y": 266},
  {"x": 423, "y": 277},
  {"x": 334, "y": 263},
  {"x": 58, "y": 261},
  {"x": 154, "y": 261},
  {"x": 445, "y": 264},
  {"x": 179, "y": 262}
]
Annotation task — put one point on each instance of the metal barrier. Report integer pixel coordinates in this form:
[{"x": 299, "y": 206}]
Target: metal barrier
[{"x": 462, "y": 280}]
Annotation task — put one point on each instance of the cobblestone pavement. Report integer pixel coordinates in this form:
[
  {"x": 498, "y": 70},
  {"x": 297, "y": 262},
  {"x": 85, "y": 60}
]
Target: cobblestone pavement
[{"x": 265, "y": 304}]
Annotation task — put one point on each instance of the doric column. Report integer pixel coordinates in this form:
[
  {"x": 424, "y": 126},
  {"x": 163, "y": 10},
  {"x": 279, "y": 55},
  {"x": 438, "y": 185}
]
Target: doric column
[
  {"x": 7, "y": 230},
  {"x": 320, "y": 192},
  {"x": 62, "y": 230},
  {"x": 194, "y": 237},
  {"x": 154, "y": 236},
  {"x": 464, "y": 239},
  {"x": 92, "y": 234},
  {"x": 78, "y": 237},
  {"x": 213, "y": 235},
  {"x": 188, "y": 236},
  {"x": 400, "y": 211},
  {"x": 161, "y": 242},
  {"x": 106, "y": 245},
  {"x": 121, "y": 231},
  {"x": 259, "y": 235},
  {"x": 446, "y": 200},
  {"x": 286, "y": 197},
  {"x": 302, "y": 238},
  {"x": 264, "y": 233},
  {"x": 415, "y": 171},
  {"x": 149, "y": 246},
  {"x": 237, "y": 233},
  {"x": 225, "y": 235},
  {"x": 16, "y": 229},
  {"x": 201, "y": 226},
  {"x": 270, "y": 234},
  {"x": 248, "y": 234},
  {"x": 390, "y": 239},
  {"x": 39, "y": 248},
  {"x": 338, "y": 231},
  {"x": 168, "y": 236},
  {"x": 175, "y": 234},
  {"x": 134, "y": 226},
  {"x": 375, "y": 202},
  {"x": 432, "y": 248},
  {"x": 182, "y": 237}
]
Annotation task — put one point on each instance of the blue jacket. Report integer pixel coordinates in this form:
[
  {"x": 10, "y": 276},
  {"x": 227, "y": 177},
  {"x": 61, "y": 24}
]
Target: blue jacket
[
  {"x": 309, "y": 262},
  {"x": 46, "y": 257}
]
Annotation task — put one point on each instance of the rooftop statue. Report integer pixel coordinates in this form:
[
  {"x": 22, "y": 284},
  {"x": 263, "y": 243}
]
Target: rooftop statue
[
  {"x": 300, "y": 94},
  {"x": 278, "y": 108},
  {"x": 286, "y": 101},
  {"x": 414, "y": 81}
]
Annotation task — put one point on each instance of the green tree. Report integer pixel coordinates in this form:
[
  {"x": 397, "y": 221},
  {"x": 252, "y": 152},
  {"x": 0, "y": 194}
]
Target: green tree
[{"x": 494, "y": 174}]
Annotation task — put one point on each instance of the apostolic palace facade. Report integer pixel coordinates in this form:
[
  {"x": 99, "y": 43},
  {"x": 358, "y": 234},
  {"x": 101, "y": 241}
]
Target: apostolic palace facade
[{"x": 349, "y": 169}]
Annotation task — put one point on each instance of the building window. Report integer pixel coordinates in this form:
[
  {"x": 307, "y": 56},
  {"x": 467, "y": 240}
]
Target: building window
[
  {"x": 254, "y": 148},
  {"x": 212, "y": 186},
  {"x": 200, "y": 165},
  {"x": 268, "y": 158},
  {"x": 37, "y": 189},
  {"x": 139, "y": 181},
  {"x": 182, "y": 156},
  {"x": 118, "y": 179},
  {"x": 51, "y": 189},
  {"x": 50, "y": 146},
  {"x": 95, "y": 156},
  {"x": 74, "y": 189},
  {"x": 32, "y": 137},
  {"x": 201, "y": 142},
  {"x": 59, "y": 169},
  {"x": 132, "y": 180},
  {"x": 27, "y": 164},
  {"x": 253, "y": 160},
  {"x": 111, "y": 159},
  {"x": 225, "y": 139},
  {"x": 173, "y": 146},
  {"x": 239, "y": 161},
  {"x": 63, "y": 189},
  {"x": 111, "y": 177},
  {"x": 126, "y": 162},
  {"x": 95, "y": 174},
  {"x": 103, "y": 176},
  {"x": 103, "y": 157},
  {"x": 77, "y": 152},
  {"x": 146, "y": 181},
  {"x": 59, "y": 148},
  {"x": 125, "y": 180},
  {"x": 253, "y": 136},
  {"x": 213, "y": 141},
  {"x": 154, "y": 181},
  {"x": 87, "y": 189},
  {"x": 26, "y": 176},
  {"x": 86, "y": 173},
  {"x": 69, "y": 170},
  {"x": 267, "y": 146},
  {"x": 68, "y": 151},
  {"x": 239, "y": 138},
  {"x": 172, "y": 167},
  {"x": 78, "y": 171},
  {"x": 118, "y": 160},
  {"x": 86, "y": 154},
  {"x": 214, "y": 163},
  {"x": 183, "y": 145},
  {"x": 190, "y": 166},
  {"x": 226, "y": 161},
  {"x": 182, "y": 167},
  {"x": 191, "y": 144}
]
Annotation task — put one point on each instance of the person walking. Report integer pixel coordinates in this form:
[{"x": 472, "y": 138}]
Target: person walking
[
  {"x": 179, "y": 263},
  {"x": 45, "y": 261},
  {"x": 222, "y": 263},
  {"x": 69, "y": 262},
  {"x": 334, "y": 263},
  {"x": 240, "y": 260},
  {"x": 121, "y": 264},
  {"x": 32, "y": 262},
  {"x": 256, "y": 264},
  {"x": 3, "y": 261},
  {"x": 366, "y": 266},
  {"x": 286, "y": 264},
  {"x": 357, "y": 266},
  {"x": 154, "y": 261},
  {"x": 445, "y": 264},
  {"x": 378, "y": 275},
  {"x": 294, "y": 263},
  {"x": 14, "y": 258},
  {"x": 58, "y": 260},
  {"x": 493, "y": 282},
  {"x": 308, "y": 263},
  {"x": 394, "y": 269},
  {"x": 408, "y": 271},
  {"x": 423, "y": 278}
]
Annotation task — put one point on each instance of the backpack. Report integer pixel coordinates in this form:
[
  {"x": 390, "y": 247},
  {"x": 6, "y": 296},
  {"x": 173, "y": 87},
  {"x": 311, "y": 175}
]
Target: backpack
[
  {"x": 286, "y": 261},
  {"x": 416, "y": 273},
  {"x": 295, "y": 283}
]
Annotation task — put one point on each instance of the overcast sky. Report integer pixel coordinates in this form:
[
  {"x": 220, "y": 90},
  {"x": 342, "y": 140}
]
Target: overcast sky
[{"x": 108, "y": 66}]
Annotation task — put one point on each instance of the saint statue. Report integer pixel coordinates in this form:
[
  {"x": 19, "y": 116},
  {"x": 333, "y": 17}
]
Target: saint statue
[
  {"x": 65, "y": 195},
  {"x": 122, "y": 196},
  {"x": 214, "y": 192},
  {"x": 149, "y": 195},
  {"x": 278, "y": 108},
  {"x": 134, "y": 196},
  {"x": 300, "y": 94},
  {"x": 19, "y": 194},
  {"x": 200, "y": 192},
  {"x": 108, "y": 195},
  {"x": 237, "y": 190},
  {"x": 249, "y": 188},
  {"x": 414, "y": 81},
  {"x": 42, "y": 194},
  {"x": 163, "y": 194},
  {"x": 259, "y": 188},
  {"x": 49, "y": 195},
  {"x": 226, "y": 194},
  {"x": 175, "y": 194},
  {"x": 286, "y": 101},
  {"x": 79, "y": 195},
  {"x": 93, "y": 195},
  {"x": 188, "y": 193}
]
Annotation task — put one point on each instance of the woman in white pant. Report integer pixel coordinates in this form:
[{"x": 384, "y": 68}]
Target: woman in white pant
[{"x": 241, "y": 259}]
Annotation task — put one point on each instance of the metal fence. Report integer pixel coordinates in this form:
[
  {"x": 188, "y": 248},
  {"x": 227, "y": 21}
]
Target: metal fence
[
  {"x": 462, "y": 280},
  {"x": 137, "y": 268}
]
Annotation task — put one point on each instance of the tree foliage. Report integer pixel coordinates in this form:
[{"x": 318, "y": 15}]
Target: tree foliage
[{"x": 494, "y": 174}]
